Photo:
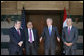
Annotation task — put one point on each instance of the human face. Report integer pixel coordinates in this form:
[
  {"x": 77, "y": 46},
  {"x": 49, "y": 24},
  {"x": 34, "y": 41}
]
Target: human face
[
  {"x": 18, "y": 25},
  {"x": 29, "y": 25},
  {"x": 69, "y": 22},
  {"x": 49, "y": 22}
]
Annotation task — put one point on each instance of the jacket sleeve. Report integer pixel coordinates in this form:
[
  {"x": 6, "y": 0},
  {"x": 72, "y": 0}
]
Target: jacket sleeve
[
  {"x": 12, "y": 38},
  {"x": 75, "y": 36},
  {"x": 23, "y": 38},
  {"x": 43, "y": 33},
  {"x": 63, "y": 35},
  {"x": 57, "y": 32},
  {"x": 37, "y": 42}
]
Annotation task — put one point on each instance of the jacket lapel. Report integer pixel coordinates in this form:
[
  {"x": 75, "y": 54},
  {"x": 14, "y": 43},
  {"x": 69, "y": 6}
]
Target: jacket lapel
[
  {"x": 16, "y": 33},
  {"x": 34, "y": 33},
  {"x": 47, "y": 31},
  {"x": 67, "y": 31},
  {"x": 52, "y": 30},
  {"x": 27, "y": 34},
  {"x": 71, "y": 30}
]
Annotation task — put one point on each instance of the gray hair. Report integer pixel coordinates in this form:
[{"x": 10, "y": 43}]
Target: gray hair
[{"x": 49, "y": 19}]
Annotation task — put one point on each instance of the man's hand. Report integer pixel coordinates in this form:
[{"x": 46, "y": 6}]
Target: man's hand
[
  {"x": 40, "y": 39},
  {"x": 20, "y": 43},
  {"x": 68, "y": 44},
  {"x": 58, "y": 39}
]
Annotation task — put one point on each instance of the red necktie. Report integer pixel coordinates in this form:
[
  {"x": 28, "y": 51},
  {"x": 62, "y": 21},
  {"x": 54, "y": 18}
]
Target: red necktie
[
  {"x": 69, "y": 30},
  {"x": 18, "y": 32}
]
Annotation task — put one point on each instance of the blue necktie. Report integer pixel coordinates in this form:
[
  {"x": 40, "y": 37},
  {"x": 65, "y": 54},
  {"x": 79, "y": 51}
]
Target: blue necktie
[{"x": 50, "y": 31}]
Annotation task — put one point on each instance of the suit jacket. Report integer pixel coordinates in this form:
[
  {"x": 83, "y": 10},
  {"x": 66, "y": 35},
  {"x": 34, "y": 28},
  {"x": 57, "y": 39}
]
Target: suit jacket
[
  {"x": 72, "y": 38},
  {"x": 50, "y": 41},
  {"x": 15, "y": 38},
  {"x": 36, "y": 38}
]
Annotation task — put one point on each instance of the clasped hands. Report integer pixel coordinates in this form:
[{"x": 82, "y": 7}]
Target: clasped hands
[
  {"x": 67, "y": 44},
  {"x": 20, "y": 43}
]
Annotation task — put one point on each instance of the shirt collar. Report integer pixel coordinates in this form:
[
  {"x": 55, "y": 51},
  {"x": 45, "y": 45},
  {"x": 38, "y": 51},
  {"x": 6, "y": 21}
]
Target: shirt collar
[
  {"x": 29, "y": 28},
  {"x": 50, "y": 26},
  {"x": 70, "y": 27},
  {"x": 16, "y": 28}
]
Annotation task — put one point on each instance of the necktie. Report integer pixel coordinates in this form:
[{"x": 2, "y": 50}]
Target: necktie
[
  {"x": 50, "y": 31},
  {"x": 69, "y": 30},
  {"x": 18, "y": 32},
  {"x": 30, "y": 36}
]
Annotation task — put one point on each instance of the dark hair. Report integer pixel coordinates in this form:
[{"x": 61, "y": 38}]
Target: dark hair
[
  {"x": 15, "y": 22},
  {"x": 29, "y": 21},
  {"x": 69, "y": 18}
]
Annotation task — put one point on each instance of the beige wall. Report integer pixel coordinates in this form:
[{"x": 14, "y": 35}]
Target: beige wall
[
  {"x": 9, "y": 7},
  {"x": 43, "y": 5},
  {"x": 76, "y": 8},
  {"x": 15, "y": 7}
]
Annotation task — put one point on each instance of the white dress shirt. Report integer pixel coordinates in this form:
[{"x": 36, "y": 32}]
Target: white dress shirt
[
  {"x": 50, "y": 27},
  {"x": 29, "y": 34},
  {"x": 69, "y": 27}
]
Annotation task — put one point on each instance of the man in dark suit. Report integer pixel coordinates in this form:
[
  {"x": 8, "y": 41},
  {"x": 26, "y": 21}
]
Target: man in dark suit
[
  {"x": 16, "y": 39},
  {"x": 31, "y": 40},
  {"x": 69, "y": 37},
  {"x": 50, "y": 33}
]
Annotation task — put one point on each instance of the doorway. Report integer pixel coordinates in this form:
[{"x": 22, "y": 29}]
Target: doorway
[{"x": 38, "y": 18}]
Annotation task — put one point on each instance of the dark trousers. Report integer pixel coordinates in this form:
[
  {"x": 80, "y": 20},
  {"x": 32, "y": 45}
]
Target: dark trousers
[
  {"x": 49, "y": 51},
  {"x": 69, "y": 51},
  {"x": 30, "y": 49},
  {"x": 15, "y": 52}
]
